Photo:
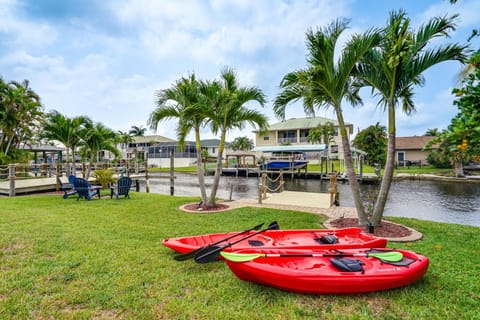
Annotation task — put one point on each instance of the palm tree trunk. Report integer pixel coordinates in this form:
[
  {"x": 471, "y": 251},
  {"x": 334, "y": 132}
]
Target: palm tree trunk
[
  {"x": 388, "y": 173},
  {"x": 352, "y": 178},
  {"x": 201, "y": 176},
  {"x": 218, "y": 172}
]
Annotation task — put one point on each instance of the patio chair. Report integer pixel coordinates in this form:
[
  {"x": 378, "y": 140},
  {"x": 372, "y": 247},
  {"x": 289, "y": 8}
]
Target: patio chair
[
  {"x": 122, "y": 188},
  {"x": 67, "y": 188},
  {"x": 85, "y": 190}
]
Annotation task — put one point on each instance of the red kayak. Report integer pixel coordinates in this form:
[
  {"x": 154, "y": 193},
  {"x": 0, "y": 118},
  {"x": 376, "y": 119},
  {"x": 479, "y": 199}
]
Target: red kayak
[
  {"x": 285, "y": 239},
  {"x": 326, "y": 271}
]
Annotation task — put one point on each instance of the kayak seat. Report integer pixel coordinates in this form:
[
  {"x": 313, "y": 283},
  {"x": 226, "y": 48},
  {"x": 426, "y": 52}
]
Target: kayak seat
[
  {"x": 255, "y": 243},
  {"x": 327, "y": 239},
  {"x": 348, "y": 265}
]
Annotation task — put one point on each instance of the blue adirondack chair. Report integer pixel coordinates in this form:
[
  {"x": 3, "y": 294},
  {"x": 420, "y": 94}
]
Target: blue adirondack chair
[
  {"x": 69, "y": 189},
  {"x": 122, "y": 188},
  {"x": 85, "y": 190}
]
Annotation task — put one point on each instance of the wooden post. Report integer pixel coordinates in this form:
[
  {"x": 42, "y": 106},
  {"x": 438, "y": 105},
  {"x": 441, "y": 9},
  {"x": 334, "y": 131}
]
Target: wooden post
[
  {"x": 333, "y": 189},
  {"x": 11, "y": 178},
  {"x": 172, "y": 164},
  {"x": 147, "y": 184}
]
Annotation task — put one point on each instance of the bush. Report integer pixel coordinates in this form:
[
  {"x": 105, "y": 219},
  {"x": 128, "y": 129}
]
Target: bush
[{"x": 104, "y": 177}]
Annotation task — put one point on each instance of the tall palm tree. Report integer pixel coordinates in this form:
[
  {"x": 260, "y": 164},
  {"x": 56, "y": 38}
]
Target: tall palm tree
[
  {"x": 327, "y": 82},
  {"x": 57, "y": 127},
  {"x": 395, "y": 67},
  {"x": 228, "y": 111},
  {"x": 183, "y": 102}
]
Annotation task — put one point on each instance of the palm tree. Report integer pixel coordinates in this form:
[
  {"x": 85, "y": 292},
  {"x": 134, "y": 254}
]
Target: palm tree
[
  {"x": 183, "y": 102},
  {"x": 57, "y": 127},
  {"x": 326, "y": 82},
  {"x": 242, "y": 143},
  {"x": 432, "y": 132},
  {"x": 394, "y": 68},
  {"x": 137, "y": 131},
  {"x": 228, "y": 111},
  {"x": 124, "y": 138},
  {"x": 95, "y": 138},
  {"x": 20, "y": 111}
]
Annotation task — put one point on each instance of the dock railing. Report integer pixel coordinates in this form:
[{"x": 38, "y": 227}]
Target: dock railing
[
  {"x": 264, "y": 185},
  {"x": 12, "y": 173}
]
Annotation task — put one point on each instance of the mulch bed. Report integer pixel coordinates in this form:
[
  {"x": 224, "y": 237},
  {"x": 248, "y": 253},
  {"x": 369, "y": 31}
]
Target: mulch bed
[
  {"x": 386, "y": 229},
  {"x": 194, "y": 207}
]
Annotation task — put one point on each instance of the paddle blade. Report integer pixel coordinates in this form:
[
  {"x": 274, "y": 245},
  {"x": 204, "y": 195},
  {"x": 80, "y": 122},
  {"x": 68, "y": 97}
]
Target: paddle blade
[
  {"x": 208, "y": 254},
  {"x": 391, "y": 256},
  {"x": 191, "y": 254},
  {"x": 241, "y": 257},
  {"x": 186, "y": 256}
]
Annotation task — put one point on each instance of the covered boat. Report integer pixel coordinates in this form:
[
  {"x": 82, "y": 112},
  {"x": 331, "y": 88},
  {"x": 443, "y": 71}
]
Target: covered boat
[
  {"x": 293, "y": 238},
  {"x": 328, "y": 272}
]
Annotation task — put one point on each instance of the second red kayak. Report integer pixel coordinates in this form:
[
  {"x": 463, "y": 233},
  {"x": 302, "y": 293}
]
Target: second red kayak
[{"x": 285, "y": 239}]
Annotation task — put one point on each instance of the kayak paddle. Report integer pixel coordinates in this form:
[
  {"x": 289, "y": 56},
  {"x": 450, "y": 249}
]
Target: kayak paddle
[
  {"x": 388, "y": 256},
  {"x": 191, "y": 254},
  {"x": 210, "y": 254}
]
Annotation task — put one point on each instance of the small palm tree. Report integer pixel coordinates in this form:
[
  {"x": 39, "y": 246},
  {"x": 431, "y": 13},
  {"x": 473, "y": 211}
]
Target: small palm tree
[
  {"x": 327, "y": 82},
  {"x": 394, "y": 68},
  {"x": 183, "y": 101},
  {"x": 228, "y": 111}
]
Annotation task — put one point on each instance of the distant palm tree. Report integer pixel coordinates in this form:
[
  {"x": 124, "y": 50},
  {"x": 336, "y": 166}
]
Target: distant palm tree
[
  {"x": 183, "y": 101},
  {"x": 394, "y": 68},
  {"x": 57, "y": 127},
  {"x": 228, "y": 111},
  {"x": 327, "y": 82},
  {"x": 124, "y": 138},
  {"x": 95, "y": 138},
  {"x": 242, "y": 143},
  {"x": 137, "y": 131},
  {"x": 432, "y": 132}
]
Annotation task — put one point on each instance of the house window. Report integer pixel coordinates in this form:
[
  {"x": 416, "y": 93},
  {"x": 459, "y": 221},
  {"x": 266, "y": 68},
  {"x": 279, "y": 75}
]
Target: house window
[
  {"x": 213, "y": 150},
  {"x": 266, "y": 137}
]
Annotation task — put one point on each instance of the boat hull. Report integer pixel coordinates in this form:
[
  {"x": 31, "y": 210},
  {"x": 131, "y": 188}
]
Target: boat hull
[
  {"x": 295, "y": 238},
  {"x": 317, "y": 275}
]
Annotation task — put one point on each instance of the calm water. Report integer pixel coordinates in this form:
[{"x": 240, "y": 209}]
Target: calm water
[{"x": 450, "y": 202}]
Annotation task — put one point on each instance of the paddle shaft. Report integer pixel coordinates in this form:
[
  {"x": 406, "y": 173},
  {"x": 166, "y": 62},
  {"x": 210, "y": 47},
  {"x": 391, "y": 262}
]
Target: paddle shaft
[
  {"x": 216, "y": 250},
  {"x": 190, "y": 254},
  {"x": 390, "y": 256}
]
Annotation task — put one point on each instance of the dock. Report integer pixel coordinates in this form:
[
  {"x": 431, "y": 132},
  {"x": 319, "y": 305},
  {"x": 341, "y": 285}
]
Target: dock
[{"x": 44, "y": 184}]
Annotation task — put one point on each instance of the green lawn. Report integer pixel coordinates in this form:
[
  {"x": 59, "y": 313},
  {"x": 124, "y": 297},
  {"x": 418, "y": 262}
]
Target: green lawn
[{"x": 103, "y": 259}]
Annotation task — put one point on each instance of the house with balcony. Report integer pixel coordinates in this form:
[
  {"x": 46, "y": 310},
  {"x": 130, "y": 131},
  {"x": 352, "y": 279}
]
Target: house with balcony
[{"x": 295, "y": 132}]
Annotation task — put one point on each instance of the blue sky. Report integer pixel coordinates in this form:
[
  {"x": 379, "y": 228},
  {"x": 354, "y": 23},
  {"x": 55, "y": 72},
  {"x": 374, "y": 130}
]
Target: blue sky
[{"x": 106, "y": 59}]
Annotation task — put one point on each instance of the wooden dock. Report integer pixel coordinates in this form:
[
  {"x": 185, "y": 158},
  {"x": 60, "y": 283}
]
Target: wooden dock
[
  {"x": 44, "y": 184},
  {"x": 23, "y": 186}
]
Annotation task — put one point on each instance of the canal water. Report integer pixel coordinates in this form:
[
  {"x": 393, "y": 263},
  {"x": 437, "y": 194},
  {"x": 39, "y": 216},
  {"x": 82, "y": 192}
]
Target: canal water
[{"x": 451, "y": 202}]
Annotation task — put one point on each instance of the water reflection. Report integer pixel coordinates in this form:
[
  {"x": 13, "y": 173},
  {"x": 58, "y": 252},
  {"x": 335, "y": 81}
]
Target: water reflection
[{"x": 450, "y": 202}]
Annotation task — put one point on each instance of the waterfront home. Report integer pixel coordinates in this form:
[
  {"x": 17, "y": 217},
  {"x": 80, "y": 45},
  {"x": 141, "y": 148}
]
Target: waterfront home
[
  {"x": 295, "y": 132},
  {"x": 411, "y": 150}
]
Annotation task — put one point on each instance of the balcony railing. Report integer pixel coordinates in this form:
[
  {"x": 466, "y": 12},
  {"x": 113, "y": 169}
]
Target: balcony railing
[{"x": 289, "y": 140}]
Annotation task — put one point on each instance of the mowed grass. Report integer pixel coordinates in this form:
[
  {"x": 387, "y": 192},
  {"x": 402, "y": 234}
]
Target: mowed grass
[{"x": 103, "y": 259}]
